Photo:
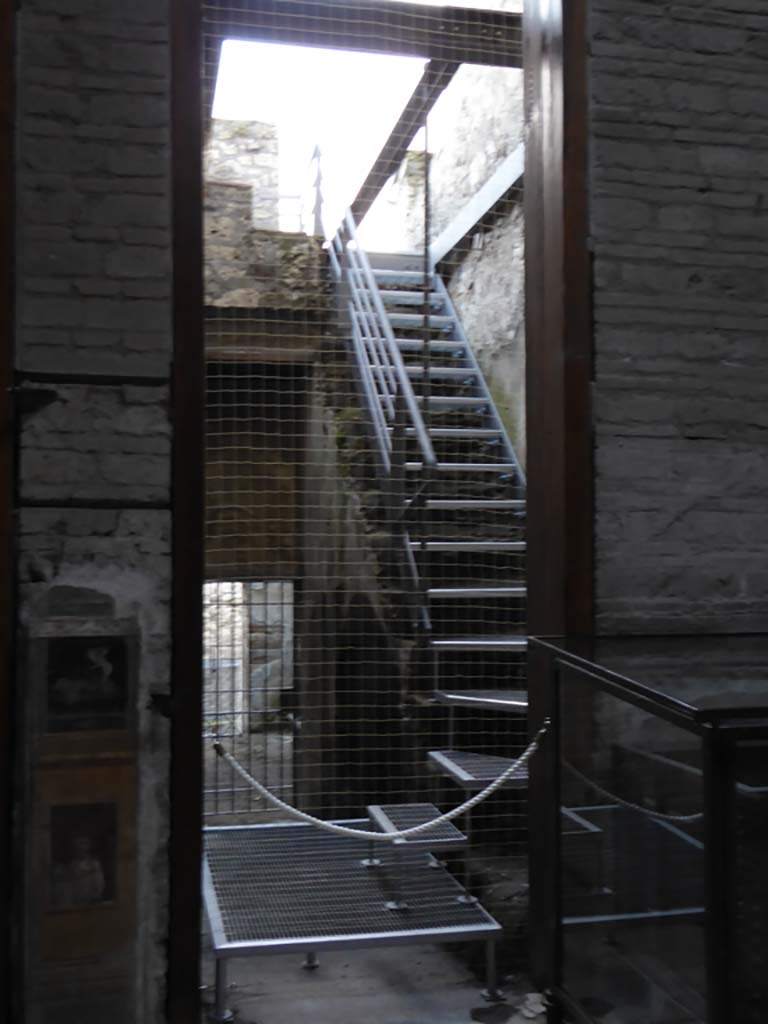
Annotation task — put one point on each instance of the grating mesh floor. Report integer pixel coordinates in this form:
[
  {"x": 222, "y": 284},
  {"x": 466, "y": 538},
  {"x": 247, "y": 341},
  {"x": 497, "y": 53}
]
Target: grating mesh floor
[{"x": 268, "y": 887}]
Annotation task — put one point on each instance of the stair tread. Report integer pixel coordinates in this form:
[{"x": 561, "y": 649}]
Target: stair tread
[
  {"x": 415, "y": 320},
  {"x": 396, "y": 817},
  {"x": 459, "y": 372},
  {"x": 514, "y": 701},
  {"x": 488, "y": 643},
  {"x": 465, "y": 467},
  {"x": 472, "y": 401},
  {"x": 511, "y": 590},
  {"x": 414, "y": 344},
  {"x": 411, "y": 297},
  {"x": 467, "y": 545},
  {"x": 474, "y": 771},
  {"x": 411, "y": 277},
  {"x": 475, "y": 504}
]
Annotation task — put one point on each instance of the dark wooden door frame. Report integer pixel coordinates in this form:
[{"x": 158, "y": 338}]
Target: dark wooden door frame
[
  {"x": 7, "y": 489},
  {"x": 559, "y": 346},
  {"x": 559, "y": 369},
  {"x": 188, "y": 415}
]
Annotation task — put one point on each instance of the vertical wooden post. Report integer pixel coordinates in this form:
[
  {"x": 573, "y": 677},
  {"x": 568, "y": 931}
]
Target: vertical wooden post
[
  {"x": 7, "y": 488},
  {"x": 558, "y": 375},
  {"x": 187, "y": 509}
]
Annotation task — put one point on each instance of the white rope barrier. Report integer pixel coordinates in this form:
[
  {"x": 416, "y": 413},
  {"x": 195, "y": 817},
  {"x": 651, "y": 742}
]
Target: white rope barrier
[
  {"x": 628, "y": 803},
  {"x": 406, "y": 833}
]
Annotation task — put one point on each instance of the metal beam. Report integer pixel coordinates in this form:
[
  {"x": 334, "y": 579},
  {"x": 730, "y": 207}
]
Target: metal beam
[
  {"x": 506, "y": 176},
  {"x": 459, "y": 34},
  {"x": 437, "y": 75}
]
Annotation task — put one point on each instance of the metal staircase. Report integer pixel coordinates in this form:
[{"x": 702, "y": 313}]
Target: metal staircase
[{"x": 457, "y": 493}]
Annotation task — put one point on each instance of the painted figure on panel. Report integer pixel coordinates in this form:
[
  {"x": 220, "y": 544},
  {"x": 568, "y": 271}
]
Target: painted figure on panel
[
  {"x": 83, "y": 855},
  {"x": 86, "y": 686}
]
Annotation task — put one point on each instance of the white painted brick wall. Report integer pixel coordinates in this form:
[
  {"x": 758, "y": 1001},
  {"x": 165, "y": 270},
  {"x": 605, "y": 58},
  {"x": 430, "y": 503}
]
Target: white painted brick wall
[
  {"x": 93, "y": 187},
  {"x": 94, "y": 297}
]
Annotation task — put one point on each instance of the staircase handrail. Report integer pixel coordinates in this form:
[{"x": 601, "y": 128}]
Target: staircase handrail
[
  {"x": 511, "y": 454},
  {"x": 392, "y": 365}
]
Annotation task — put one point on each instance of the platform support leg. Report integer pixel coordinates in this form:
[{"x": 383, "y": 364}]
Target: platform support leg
[
  {"x": 220, "y": 1013},
  {"x": 492, "y": 991},
  {"x": 466, "y": 896},
  {"x": 310, "y": 962}
]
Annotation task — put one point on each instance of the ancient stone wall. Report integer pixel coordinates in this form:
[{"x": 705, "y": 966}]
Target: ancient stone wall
[
  {"x": 475, "y": 124},
  {"x": 93, "y": 260},
  {"x": 245, "y": 153},
  {"x": 679, "y": 178},
  {"x": 487, "y": 289}
]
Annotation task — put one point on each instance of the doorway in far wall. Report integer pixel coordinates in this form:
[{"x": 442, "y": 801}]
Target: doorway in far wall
[{"x": 248, "y": 696}]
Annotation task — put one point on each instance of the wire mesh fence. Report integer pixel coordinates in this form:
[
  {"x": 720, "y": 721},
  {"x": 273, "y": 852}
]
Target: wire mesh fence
[{"x": 365, "y": 527}]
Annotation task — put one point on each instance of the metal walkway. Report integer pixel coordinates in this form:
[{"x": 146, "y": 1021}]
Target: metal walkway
[{"x": 288, "y": 887}]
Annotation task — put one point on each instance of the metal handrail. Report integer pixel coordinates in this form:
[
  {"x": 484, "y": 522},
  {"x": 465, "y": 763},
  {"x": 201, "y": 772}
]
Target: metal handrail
[
  {"x": 389, "y": 367},
  {"x": 387, "y": 393},
  {"x": 510, "y": 454}
]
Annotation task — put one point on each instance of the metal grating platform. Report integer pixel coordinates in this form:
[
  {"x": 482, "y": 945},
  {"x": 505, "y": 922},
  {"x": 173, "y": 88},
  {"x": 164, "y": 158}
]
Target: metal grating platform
[
  {"x": 275, "y": 888},
  {"x": 473, "y": 771},
  {"x": 395, "y": 817}
]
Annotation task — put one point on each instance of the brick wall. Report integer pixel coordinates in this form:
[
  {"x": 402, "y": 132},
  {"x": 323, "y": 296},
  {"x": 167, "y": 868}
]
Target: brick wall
[
  {"x": 94, "y": 304},
  {"x": 679, "y": 207}
]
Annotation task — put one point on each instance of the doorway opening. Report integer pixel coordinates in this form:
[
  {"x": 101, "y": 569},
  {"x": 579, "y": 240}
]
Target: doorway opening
[{"x": 365, "y": 476}]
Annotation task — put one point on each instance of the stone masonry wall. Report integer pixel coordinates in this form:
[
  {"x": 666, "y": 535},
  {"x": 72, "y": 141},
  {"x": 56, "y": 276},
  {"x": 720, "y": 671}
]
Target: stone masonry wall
[
  {"x": 679, "y": 166},
  {"x": 94, "y": 287},
  {"x": 475, "y": 124},
  {"x": 245, "y": 153},
  {"x": 487, "y": 290}
]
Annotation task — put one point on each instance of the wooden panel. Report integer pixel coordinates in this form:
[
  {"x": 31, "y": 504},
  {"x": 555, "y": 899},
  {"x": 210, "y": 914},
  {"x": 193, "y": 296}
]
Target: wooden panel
[
  {"x": 7, "y": 437},
  {"x": 188, "y": 419}
]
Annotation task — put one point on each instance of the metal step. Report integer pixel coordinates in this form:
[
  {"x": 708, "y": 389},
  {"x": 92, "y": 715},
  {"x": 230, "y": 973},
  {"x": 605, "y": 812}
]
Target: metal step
[
  {"x": 513, "y": 701},
  {"x": 411, "y": 298},
  {"x": 475, "y": 771},
  {"x": 462, "y": 373},
  {"x": 405, "y": 278},
  {"x": 481, "y": 643},
  {"x": 466, "y": 467},
  {"x": 454, "y": 399},
  {"x": 475, "y": 504},
  {"x": 461, "y": 433},
  {"x": 453, "y": 593},
  {"x": 417, "y": 345},
  {"x": 397, "y": 817},
  {"x": 467, "y": 545},
  {"x": 412, "y": 321}
]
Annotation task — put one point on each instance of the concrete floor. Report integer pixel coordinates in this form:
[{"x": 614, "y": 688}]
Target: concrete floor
[{"x": 396, "y": 985}]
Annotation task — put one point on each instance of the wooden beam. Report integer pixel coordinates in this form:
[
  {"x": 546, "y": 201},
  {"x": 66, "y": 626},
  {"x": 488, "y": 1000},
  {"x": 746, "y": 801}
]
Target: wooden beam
[
  {"x": 508, "y": 175},
  {"x": 7, "y": 497},
  {"x": 463, "y": 35},
  {"x": 558, "y": 327},
  {"x": 188, "y": 496},
  {"x": 437, "y": 75}
]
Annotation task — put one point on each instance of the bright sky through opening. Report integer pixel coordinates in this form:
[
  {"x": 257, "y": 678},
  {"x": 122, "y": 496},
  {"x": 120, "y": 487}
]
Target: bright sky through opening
[{"x": 347, "y": 103}]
